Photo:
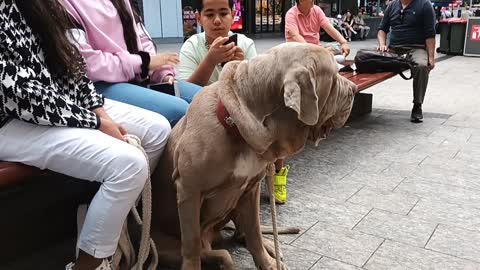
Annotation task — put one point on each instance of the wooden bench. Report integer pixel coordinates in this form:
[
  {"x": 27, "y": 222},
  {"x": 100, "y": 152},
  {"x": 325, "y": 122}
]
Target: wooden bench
[
  {"x": 39, "y": 207},
  {"x": 363, "y": 101}
]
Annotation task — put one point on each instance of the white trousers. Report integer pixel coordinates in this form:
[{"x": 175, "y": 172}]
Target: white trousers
[{"x": 92, "y": 155}]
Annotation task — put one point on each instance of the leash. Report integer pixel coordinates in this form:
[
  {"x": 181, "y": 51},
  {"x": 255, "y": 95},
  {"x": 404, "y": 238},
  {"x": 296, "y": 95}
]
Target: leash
[
  {"x": 269, "y": 181},
  {"x": 125, "y": 248}
]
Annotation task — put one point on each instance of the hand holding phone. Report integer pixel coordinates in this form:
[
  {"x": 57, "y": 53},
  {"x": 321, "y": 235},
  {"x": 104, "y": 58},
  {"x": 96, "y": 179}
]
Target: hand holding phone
[
  {"x": 220, "y": 51},
  {"x": 232, "y": 39}
]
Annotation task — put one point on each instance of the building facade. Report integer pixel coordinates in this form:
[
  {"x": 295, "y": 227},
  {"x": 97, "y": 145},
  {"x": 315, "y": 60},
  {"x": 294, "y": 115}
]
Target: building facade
[{"x": 176, "y": 18}]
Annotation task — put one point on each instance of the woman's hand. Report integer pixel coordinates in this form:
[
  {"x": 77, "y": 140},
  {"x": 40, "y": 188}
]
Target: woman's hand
[
  {"x": 163, "y": 59},
  {"x": 168, "y": 79},
  {"x": 111, "y": 128}
]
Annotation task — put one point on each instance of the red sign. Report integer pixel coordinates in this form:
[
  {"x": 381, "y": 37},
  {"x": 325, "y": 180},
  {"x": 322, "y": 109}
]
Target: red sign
[
  {"x": 475, "y": 33},
  {"x": 238, "y": 18}
]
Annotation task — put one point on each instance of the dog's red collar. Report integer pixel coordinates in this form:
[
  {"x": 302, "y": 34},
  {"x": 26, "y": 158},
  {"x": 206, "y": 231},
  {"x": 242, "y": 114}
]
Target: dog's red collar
[{"x": 226, "y": 120}]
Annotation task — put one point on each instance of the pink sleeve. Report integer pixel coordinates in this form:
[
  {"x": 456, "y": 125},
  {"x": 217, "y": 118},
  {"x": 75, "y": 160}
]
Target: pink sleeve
[
  {"x": 145, "y": 40},
  {"x": 290, "y": 24},
  {"x": 322, "y": 18},
  {"x": 108, "y": 67},
  {"x": 103, "y": 66}
]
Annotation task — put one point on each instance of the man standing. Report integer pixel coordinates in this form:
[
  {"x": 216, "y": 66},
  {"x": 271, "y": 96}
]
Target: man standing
[
  {"x": 304, "y": 21},
  {"x": 412, "y": 25}
]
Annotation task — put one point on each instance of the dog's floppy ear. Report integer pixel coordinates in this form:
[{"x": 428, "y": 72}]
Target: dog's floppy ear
[{"x": 299, "y": 94}]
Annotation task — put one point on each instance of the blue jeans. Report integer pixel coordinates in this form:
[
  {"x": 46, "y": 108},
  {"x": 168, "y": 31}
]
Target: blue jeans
[{"x": 171, "y": 107}]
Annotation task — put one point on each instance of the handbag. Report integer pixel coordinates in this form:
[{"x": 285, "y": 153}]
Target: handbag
[{"x": 374, "y": 61}]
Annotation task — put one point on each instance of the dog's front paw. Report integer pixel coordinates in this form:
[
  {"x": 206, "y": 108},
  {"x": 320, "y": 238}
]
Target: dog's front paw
[
  {"x": 270, "y": 247},
  {"x": 273, "y": 265}
]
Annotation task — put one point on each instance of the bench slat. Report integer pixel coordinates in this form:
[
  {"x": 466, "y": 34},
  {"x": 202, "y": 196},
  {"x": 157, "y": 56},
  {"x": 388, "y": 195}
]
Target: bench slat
[{"x": 366, "y": 80}]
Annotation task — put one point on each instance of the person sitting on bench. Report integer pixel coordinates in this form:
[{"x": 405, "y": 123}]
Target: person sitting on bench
[
  {"x": 412, "y": 25},
  {"x": 360, "y": 26},
  {"x": 52, "y": 118},
  {"x": 304, "y": 21}
]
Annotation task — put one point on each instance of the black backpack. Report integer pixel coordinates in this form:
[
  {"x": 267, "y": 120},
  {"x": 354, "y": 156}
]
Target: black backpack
[{"x": 373, "y": 61}]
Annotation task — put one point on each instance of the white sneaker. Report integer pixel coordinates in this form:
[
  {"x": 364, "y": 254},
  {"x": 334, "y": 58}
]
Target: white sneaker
[{"x": 105, "y": 265}]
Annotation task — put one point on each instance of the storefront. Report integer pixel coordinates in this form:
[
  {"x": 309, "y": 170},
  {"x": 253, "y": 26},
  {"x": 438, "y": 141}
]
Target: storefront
[{"x": 176, "y": 18}]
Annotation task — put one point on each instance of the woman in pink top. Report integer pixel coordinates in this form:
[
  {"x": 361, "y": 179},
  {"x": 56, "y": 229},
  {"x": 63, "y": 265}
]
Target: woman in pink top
[{"x": 121, "y": 57}]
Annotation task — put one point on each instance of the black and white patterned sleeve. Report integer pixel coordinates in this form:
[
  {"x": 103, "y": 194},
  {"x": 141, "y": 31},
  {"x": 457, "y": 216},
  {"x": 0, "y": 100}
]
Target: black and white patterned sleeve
[
  {"x": 26, "y": 89},
  {"x": 89, "y": 97}
]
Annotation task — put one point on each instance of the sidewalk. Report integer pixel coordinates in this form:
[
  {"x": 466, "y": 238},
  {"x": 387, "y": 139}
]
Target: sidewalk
[{"x": 383, "y": 193}]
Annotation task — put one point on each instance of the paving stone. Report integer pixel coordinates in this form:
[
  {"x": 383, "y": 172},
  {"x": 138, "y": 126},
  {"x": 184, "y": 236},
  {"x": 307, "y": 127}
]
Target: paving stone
[
  {"x": 379, "y": 181},
  {"x": 433, "y": 160},
  {"x": 468, "y": 154},
  {"x": 372, "y": 165},
  {"x": 336, "y": 189},
  {"x": 445, "y": 192},
  {"x": 401, "y": 169},
  {"x": 438, "y": 211},
  {"x": 304, "y": 209},
  {"x": 453, "y": 165},
  {"x": 396, "y": 227},
  {"x": 394, "y": 202},
  {"x": 330, "y": 264},
  {"x": 338, "y": 243},
  {"x": 441, "y": 151},
  {"x": 451, "y": 136},
  {"x": 441, "y": 175},
  {"x": 395, "y": 256},
  {"x": 295, "y": 258},
  {"x": 456, "y": 241}
]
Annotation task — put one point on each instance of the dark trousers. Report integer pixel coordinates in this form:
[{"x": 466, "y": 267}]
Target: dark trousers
[{"x": 420, "y": 72}]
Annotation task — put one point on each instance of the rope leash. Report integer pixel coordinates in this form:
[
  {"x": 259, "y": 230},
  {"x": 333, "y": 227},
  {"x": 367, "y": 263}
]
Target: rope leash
[
  {"x": 147, "y": 245},
  {"x": 269, "y": 181}
]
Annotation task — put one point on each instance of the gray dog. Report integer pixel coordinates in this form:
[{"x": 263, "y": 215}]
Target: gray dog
[{"x": 259, "y": 111}]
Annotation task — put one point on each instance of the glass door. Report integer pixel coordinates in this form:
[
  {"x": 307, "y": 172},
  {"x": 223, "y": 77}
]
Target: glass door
[{"x": 269, "y": 16}]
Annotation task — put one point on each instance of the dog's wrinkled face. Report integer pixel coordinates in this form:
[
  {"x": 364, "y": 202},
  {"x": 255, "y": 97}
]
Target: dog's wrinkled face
[
  {"x": 313, "y": 88},
  {"x": 336, "y": 110}
]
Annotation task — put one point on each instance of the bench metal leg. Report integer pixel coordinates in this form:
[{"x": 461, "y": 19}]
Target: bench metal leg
[{"x": 362, "y": 104}]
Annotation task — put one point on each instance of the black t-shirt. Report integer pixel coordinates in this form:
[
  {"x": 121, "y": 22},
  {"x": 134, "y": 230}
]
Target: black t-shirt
[{"x": 409, "y": 26}]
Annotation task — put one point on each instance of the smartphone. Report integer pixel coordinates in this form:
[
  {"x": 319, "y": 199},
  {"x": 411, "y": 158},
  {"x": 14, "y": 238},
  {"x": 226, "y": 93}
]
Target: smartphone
[
  {"x": 166, "y": 88},
  {"x": 233, "y": 38}
]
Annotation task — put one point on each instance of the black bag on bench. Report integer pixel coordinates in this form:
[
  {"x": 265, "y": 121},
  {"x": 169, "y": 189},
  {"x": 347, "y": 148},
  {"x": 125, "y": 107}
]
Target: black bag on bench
[{"x": 373, "y": 61}]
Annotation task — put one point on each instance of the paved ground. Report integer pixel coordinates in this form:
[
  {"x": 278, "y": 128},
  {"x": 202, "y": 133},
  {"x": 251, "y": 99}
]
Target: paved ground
[{"x": 383, "y": 193}]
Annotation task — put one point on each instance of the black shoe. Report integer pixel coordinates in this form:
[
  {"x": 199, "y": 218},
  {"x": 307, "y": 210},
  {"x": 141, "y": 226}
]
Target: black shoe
[{"x": 417, "y": 114}]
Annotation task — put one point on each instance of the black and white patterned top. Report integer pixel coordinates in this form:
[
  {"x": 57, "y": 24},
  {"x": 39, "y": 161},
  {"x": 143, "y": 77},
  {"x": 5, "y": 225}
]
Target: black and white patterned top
[{"x": 28, "y": 91}]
